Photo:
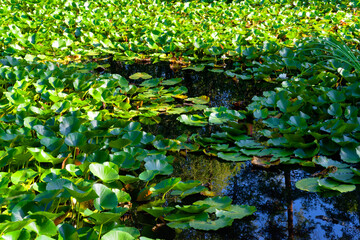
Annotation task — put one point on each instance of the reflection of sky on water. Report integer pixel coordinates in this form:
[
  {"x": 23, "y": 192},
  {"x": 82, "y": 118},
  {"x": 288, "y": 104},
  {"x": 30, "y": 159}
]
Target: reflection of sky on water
[{"x": 314, "y": 216}]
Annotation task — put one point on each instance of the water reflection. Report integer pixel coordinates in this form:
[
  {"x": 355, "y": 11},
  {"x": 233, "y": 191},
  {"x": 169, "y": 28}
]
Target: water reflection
[
  {"x": 284, "y": 212},
  {"x": 223, "y": 91}
]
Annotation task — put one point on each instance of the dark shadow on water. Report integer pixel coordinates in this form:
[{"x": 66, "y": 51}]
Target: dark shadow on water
[
  {"x": 283, "y": 211},
  {"x": 222, "y": 90}
]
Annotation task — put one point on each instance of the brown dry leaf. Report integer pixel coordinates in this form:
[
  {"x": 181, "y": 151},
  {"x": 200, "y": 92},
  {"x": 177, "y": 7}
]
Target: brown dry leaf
[
  {"x": 264, "y": 162},
  {"x": 60, "y": 219},
  {"x": 144, "y": 195}
]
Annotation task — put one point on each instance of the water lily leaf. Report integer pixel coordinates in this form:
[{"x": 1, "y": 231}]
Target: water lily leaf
[
  {"x": 194, "y": 190},
  {"x": 30, "y": 122},
  {"x": 307, "y": 152},
  {"x": 199, "y": 100},
  {"x": 23, "y": 175},
  {"x": 44, "y": 237},
  {"x": 75, "y": 139},
  {"x": 308, "y": 184},
  {"x": 326, "y": 162},
  {"x": 126, "y": 179},
  {"x": 82, "y": 196},
  {"x": 148, "y": 175},
  {"x": 215, "y": 203},
  {"x": 161, "y": 166},
  {"x": 184, "y": 186},
  {"x": 179, "y": 225},
  {"x": 42, "y": 225},
  {"x": 52, "y": 143},
  {"x": 211, "y": 225},
  {"x": 17, "y": 235},
  {"x": 140, "y": 75},
  {"x": 335, "y": 110},
  {"x": 193, "y": 208},
  {"x": 345, "y": 175},
  {"x": 60, "y": 184},
  {"x": 106, "y": 199},
  {"x": 105, "y": 217},
  {"x": 117, "y": 234},
  {"x": 248, "y": 144},
  {"x": 283, "y": 104},
  {"x": 172, "y": 81},
  {"x": 336, "y": 96},
  {"x": 41, "y": 156},
  {"x": 120, "y": 143},
  {"x": 151, "y": 83},
  {"x": 180, "y": 216},
  {"x": 330, "y": 184},
  {"x": 131, "y": 230},
  {"x": 165, "y": 185},
  {"x": 236, "y": 211},
  {"x": 104, "y": 172},
  {"x": 192, "y": 120},
  {"x": 197, "y": 68},
  {"x": 68, "y": 232},
  {"x": 350, "y": 155},
  {"x": 7, "y": 227},
  {"x": 234, "y": 157},
  {"x": 298, "y": 121},
  {"x": 158, "y": 211},
  {"x": 355, "y": 171},
  {"x": 122, "y": 196},
  {"x": 166, "y": 144},
  {"x": 68, "y": 125}
]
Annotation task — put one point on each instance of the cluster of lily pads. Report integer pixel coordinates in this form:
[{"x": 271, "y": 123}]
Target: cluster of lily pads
[
  {"x": 71, "y": 30},
  {"x": 76, "y": 163},
  {"x": 312, "y": 115}
]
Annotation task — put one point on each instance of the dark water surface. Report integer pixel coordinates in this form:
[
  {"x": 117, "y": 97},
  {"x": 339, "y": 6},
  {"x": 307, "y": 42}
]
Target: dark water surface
[{"x": 283, "y": 211}]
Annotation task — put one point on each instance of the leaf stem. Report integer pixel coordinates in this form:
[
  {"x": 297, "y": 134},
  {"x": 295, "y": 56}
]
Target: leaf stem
[{"x": 101, "y": 226}]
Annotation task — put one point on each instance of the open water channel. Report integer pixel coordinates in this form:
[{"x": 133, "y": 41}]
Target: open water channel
[{"x": 283, "y": 211}]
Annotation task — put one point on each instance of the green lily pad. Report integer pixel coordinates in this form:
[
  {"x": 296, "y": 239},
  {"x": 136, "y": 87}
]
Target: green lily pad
[
  {"x": 139, "y": 75},
  {"x": 117, "y": 234},
  {"x": 105, "y": 172},
  {"x": 216, "y": 203},
  {"x": 308, "y": 184},
  {"x": 193, "y": 208},
  {"x": 211, "y": 225},
  {"x": 236, "y": 211},
  {"x": 158, "y": 211}
]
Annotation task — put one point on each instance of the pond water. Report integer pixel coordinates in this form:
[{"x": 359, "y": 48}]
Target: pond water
[{"x": 283, "y": 211}]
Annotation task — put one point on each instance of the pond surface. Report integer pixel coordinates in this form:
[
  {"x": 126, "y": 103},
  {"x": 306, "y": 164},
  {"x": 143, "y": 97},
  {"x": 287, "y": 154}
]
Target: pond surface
[{"x": 283, "y": 211}]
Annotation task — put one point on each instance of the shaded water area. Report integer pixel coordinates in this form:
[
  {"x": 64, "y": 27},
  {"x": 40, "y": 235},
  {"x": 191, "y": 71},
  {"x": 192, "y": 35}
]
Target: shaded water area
[{"x": 283, "y": 211}]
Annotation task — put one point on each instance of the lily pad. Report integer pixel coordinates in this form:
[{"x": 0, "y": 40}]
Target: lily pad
[{"x": 139, "y": 75}]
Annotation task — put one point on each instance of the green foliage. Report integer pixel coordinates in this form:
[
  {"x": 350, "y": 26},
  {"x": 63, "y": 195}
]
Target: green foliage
[{"x": 75, "y": 163}]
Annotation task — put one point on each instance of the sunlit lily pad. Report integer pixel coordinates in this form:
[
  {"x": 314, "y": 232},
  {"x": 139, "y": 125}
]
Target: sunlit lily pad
[
  {"x": 308, "y": 184},
  {"x": 140, "y": 75},
  {"x": 211, "y": 225},
  {"x": 236, "y": 211}
]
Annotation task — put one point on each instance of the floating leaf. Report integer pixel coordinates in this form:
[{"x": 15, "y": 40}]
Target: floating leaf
[
  {"x": 104, "y": 172},
  {"x": 116, "y": 234},
  {"x": 236, "y": 211},
  {"x": 215, "y": 203},
  {"x": 211, "y": 225},
  {"x": 75, "y": 139},
  {"x": 106, "y": 198},
  {"x": 308, "y": 184},
  {"x": 140, "y": 75},
  {"x": 158, "y": 211}
]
